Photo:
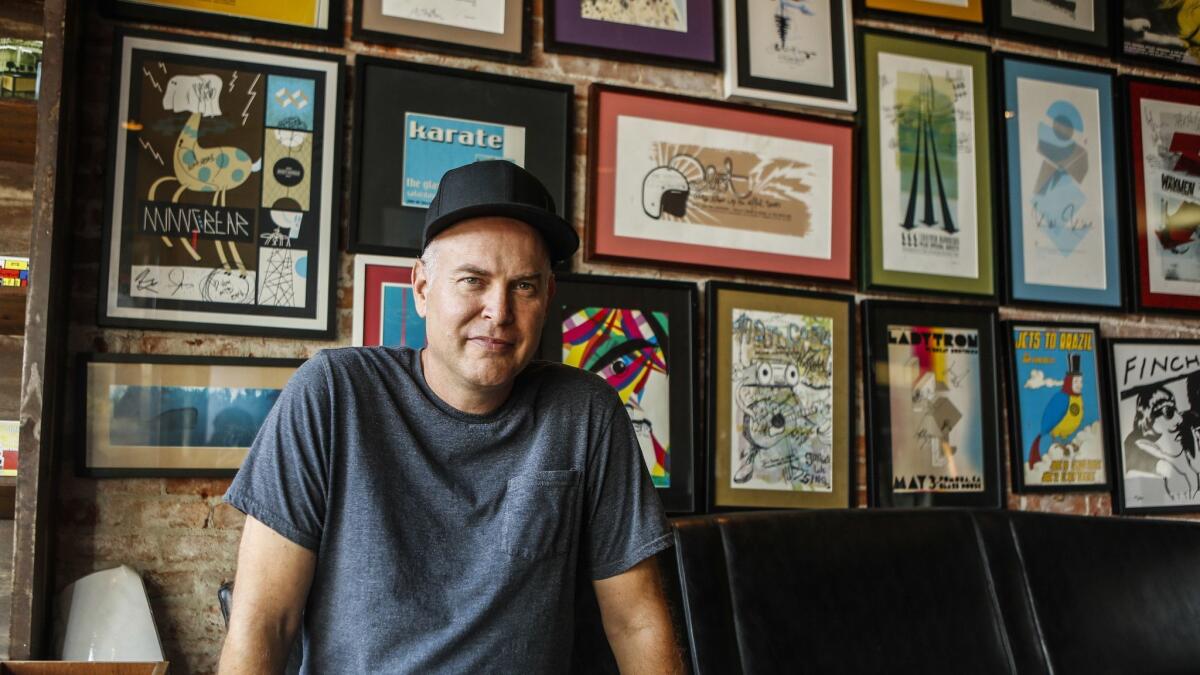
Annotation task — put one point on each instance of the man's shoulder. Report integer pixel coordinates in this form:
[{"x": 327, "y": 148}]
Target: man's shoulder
[
  {"x": 349, "y": 361},
  {"x": 570, "y": 384}
]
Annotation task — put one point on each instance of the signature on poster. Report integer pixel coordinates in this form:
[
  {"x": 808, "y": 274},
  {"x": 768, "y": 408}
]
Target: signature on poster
[{"x": 782, "y": 401}]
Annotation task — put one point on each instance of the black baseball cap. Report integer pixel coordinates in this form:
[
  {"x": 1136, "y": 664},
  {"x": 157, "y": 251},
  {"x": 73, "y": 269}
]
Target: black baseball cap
[{"x": 499, "y": 187}]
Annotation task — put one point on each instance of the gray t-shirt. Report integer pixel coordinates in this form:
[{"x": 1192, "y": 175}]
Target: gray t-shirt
[{"x": 447, "y": 542}]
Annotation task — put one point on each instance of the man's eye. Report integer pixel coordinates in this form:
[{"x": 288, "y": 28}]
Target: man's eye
[
  {"x": 470, "y": 280},
  {"x": 525, "y": 286}
]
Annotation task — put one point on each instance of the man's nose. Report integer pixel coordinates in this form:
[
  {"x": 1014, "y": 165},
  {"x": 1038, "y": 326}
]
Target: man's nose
[{"x": 497, "y": 305}]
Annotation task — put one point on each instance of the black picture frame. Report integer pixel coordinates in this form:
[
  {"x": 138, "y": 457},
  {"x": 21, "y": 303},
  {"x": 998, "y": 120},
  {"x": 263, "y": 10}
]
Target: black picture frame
[
  {"x": 774, "y": 300},
  {"x": 623, "y": 42},
  {"x": 1093, "y": 396},
  {"x": 1098, "y": 40},
  {"x": 386, "y": 91},
  {"x": 1149, "y": 380},
  {"x": 166, "y": 371},
  {"x": 941, "y": 415},
  {"x": 741, "y": 82},
  {"x": 189, "y": 18},
  {"x": 913, "y": 12},
  {"x": 218, "y": 302},
  {"x": 1129, "y": 46},
  {"x": 679, "y": 300},
  {"x": 455, "y": 41}
]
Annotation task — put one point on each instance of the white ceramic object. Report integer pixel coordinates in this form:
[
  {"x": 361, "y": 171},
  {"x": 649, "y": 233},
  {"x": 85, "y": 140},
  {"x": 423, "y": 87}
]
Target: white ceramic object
[{"x": 106, "y": 616}]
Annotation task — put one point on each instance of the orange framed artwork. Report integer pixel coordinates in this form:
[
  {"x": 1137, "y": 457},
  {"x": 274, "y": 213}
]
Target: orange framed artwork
[{"x": 970, "y": 11}]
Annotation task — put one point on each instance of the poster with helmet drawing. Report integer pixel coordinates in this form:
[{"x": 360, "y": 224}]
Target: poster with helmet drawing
[
  {"x": 223, "y": 160},
  {"x": 1156, "y": 392},
  {"x": 1163, "y": 30},
  {"x": 711, "y": 184}
]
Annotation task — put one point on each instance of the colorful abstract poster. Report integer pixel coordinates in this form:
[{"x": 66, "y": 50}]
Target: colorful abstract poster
[
  {"x": 481, "y": 15},
  {"x": 1158, "y": 415},
  {"x": 790, "y": 40},
  {"x": 1058, "y": 408},
  {"x": 1163, "y": 30},
  {"x": 1062, "y": 184},
  {"x": 1077, "y": 14},
  {"x": 385, "y": 312},
  {"x": 223, "y": 165},
  {"x": 690, "y": 184},
  {"x": 928, "y": 154},
  {"x": 10, "y": 437},
  {"x": 628, "y": 348},
  {"x": 783, "y": 396},
  {"x": 933, "y": 377},
  {"x": 1170, "y": 142},
  {"x": 402, "y": 325},
  {"x": 661, "y": 14},
  {"x": 308, "y": 13},
  {"x": 434, "y": 144}
]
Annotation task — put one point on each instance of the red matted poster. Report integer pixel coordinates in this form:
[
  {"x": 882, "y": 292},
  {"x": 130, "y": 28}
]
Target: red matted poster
[
  {"x": 1165, "y": 136},
  {"x": 700, "y": 183},
  {"x": 385, "y": 312}
]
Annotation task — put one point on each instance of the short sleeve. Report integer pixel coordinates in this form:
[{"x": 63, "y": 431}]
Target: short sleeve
[
  {"x": 625, "y": 523},
  {"x": 282, "y": 483}
]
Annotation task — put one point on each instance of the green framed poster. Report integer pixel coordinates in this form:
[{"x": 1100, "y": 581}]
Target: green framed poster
[{"x": 930, "y": 216}]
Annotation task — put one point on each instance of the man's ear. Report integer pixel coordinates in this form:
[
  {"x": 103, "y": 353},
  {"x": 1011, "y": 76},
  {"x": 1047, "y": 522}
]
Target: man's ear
[{"x": 420, "y": 286}]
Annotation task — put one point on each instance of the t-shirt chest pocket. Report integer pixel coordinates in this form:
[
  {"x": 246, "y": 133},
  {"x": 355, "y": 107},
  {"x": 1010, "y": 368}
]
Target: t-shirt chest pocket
[{"x": 538, "y": 515}]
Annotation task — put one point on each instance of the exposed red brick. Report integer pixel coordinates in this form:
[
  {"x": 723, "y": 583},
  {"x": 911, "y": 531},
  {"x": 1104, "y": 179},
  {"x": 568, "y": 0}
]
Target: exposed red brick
[{"x": 201, "y": 487}]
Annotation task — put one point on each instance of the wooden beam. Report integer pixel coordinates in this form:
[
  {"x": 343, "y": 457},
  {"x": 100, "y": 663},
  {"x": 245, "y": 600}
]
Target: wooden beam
[
  {"x": 43, "y": 369},
  {"x": 21, "y": 19},
  {"x": 18, "y": 119}
]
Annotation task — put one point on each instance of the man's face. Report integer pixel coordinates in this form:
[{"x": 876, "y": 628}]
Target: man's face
[{"x": 484, "y": 302}]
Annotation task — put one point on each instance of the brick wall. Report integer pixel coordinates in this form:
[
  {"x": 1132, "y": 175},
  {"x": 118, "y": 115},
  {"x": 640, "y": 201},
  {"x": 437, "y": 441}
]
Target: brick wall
[{"x": 176, "y": 532}]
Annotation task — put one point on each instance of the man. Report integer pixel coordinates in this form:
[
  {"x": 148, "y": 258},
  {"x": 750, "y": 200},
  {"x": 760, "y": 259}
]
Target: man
[{"x": 429, "y": 511}]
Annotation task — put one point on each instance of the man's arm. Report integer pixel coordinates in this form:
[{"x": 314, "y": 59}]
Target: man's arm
[
  {"x": 637, "y": 621},
  {"x": 273, "y": 577}
]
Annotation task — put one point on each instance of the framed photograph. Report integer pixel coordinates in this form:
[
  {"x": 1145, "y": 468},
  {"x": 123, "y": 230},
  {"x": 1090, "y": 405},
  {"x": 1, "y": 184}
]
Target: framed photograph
[
  {"x": 686, "y": 181},
  {"x": 673, "y": 33},
  {"x": 1058, "y": 427},
  {"x": 415, "y": 122},
  {"x": 221, "y": 212},
  {"x": 1164, "y": 122},
  {"x": 154, "y": 415},
  {"x": 308, "y": 20},
  {"x": 1064, "y": 237},
  {"x": 1082, "y": 23},
  {"x": 932, "y": 413},
  {"x": 385, "y": 313},
  {"x": 1161, "y": 31},
  {"x": 928, "y": 166},
  {"x": 1156, "y": 405},
  {"x": 781, "y": 398},
  {"x": 639, "y": 335},
  {"x": 791, "y": 52},
  {"x": 494, "y": 30},
  {"x": 956, "y": 11}
]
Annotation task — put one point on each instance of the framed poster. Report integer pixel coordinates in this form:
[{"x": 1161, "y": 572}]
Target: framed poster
[
  {"x": 932, "y": 424},
  {"x": 415, "y": 122},
  {"x": 1082, "y": 23},
  {"x": 385, "y": 312},
  {"x": 312, "y": 20},
  {"x": 154, "y": 415},
  {"x": 638, "y": 335},
  {"x": 1058, "y": 427},
  {"x": 494, "y": 30},
  {"x": 1161, "y": 31},
  {"x": 1064, "y": 238},
  {"x": 687, "y": 181},
  {"x": 1156, "y": 405},
  {"x": 1164, "y": 122},
  {"x": 965, "y": 11},
  {"x": 222, "y": 191},
  {"x": 781, "y": 398},
  {"x": 675, "y": 33},
  {"x": 792, "y": 52},
  {"x": 928, "y": 166}
]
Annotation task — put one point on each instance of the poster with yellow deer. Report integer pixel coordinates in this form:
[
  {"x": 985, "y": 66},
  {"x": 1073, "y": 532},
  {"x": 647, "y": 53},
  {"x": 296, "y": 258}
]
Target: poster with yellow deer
[{"x": 222, "y": 204}]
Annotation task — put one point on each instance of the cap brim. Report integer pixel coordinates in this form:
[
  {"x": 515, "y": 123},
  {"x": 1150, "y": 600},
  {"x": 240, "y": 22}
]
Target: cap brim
[{"x": 561, "y": 239}]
